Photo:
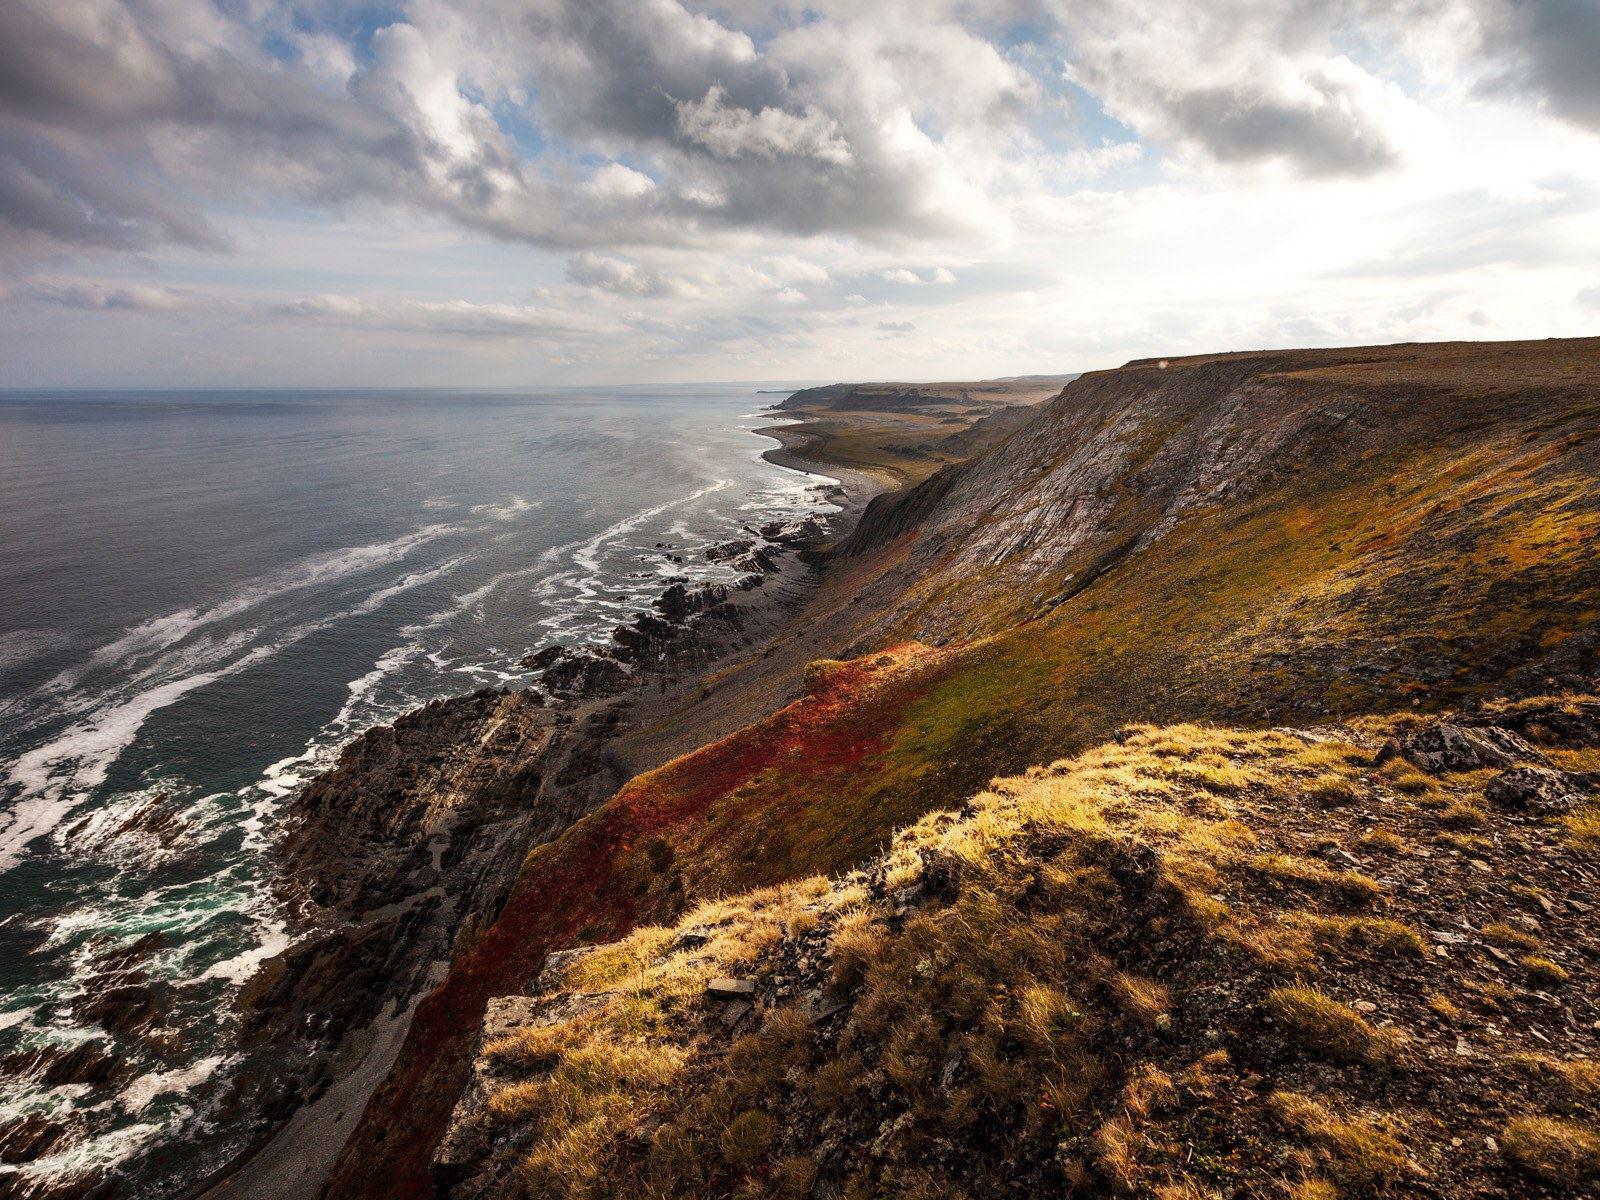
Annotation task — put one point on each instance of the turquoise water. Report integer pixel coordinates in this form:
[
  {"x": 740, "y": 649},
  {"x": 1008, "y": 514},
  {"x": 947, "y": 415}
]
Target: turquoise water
[{"x": 205, "y": 594}]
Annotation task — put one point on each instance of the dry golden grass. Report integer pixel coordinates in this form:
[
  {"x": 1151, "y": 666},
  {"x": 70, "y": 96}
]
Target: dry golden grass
[
  {"x": 1382, "y": 841},
  {"x": 1509, "y": 936},
  {"x": 856, "y": 945},
  {"x": 1543, "y": 972},
  {"x": 1568, "y": 1083},
  {"x": 1326, "y": 1028},
  {"x": 1460, "y": 814},
  {"x": 1290, "y": 869},
  {"x": 1333, "y": 791},
  {"x": 1355, "y": 1151},
  {"x": 1563, "y": 1153},
  {"x": 1378, "y": 934},
  {"x": 747, "y": 1138},
  {"x": 1583, "y": 828},
  {"x": 1037, "y": 987}
]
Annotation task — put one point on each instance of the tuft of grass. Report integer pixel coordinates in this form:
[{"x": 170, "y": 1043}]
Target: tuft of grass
[
  {"x": 1558, "y": 1152},
  {"x": 856, "y": 943},
  {"x": 1383, "y": 841},
  {"x": 1408, "y": 779},
  {"x": 1326, "y": 1028},
  {"x": 793, "y": 1176},
  {"x": 1509, "y": 936},
  {"x": 1543, "y": 972},
  {"x": 745, "y": 1140},
  {"x": 1357, "y": 1152},
  {"x": 1333, "y": 791},
  {"x": 1461, "y": 815},
  {"x": 1583, "y": 828},
  {"x": 1116, "y": 1147},
  {"x": 1292, "y": 870},
  {"x": 834, "y": 1081},
  {"x": 1378, "y": 934},
  {"x": 1572, "y": 1082},
  {"x": 1143, "y": 999}
]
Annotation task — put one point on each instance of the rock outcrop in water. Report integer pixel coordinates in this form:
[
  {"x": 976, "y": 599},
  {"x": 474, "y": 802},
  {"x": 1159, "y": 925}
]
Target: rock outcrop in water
[
  {"x": 690, "y": 625},
  {"x": 408, "y": 846},
  {"x": 418, "y": 824}
]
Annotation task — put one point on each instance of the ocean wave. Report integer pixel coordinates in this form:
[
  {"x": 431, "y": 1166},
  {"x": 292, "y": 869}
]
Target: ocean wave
[
  {"x": 51, "y": 779},
  {"x": 159, "y": 633}
]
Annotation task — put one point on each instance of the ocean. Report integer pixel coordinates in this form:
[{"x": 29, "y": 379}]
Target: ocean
[{"x": 205, "y": 594}]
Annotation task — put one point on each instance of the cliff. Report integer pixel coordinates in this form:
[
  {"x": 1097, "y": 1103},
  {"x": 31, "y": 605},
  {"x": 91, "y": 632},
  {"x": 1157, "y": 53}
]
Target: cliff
[{"x": 1333, "y": 544}]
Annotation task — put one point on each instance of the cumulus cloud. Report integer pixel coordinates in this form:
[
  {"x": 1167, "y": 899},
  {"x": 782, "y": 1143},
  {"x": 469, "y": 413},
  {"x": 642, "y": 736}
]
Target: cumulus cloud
[
  {"x": 732, "y": 132},
  {"x": 755, "y": 174},
  {"x": 606, "y": 273},
  {"x": 1238, "y": 81}
]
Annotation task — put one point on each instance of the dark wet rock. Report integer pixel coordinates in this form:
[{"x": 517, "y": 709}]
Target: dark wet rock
[
  {"x": 419, "y": 824},
  {"x": 54, "y": 1066},
  {"x": 761, "y": 560},
  {"x": 1539, "y": 790},
  {"x": 26, "y": 1139},
  {"x": 585, "y": 674},
  {"x": 540, "y": 659},
  {"x": 723, "y": 551},
  {"x": 127, "y": 957},
  {"x": 123, "y": 1008},
  {"x": 678, "y": 602},
  {"x": 787, "y": 532},
  {"x": 1447, "y": 747}
]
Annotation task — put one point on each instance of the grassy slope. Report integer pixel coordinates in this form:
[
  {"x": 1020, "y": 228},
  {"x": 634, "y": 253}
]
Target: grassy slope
[
  {"x": 1197, "y": 958},
  {"x": 1440, "y": 560}
]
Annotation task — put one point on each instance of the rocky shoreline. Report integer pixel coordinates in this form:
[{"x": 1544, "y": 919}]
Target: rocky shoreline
[{"x": 397, "y": 856}]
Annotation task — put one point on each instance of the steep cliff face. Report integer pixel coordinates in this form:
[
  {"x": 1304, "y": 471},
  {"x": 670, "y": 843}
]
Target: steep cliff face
[
  {"x": 419, "y": 824},
  {"x": 1121, "y": 457},
  {"x": 1265, "y": 539}
]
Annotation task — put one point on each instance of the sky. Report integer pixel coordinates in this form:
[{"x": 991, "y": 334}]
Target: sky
[{"x": 547, "y": 192}]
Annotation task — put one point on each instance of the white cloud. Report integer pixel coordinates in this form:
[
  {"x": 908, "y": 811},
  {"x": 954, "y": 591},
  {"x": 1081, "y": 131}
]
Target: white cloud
[{"x": 559, "y": 188}]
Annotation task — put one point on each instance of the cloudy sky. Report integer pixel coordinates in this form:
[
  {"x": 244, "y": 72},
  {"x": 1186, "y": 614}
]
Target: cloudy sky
[{"x": 515, "y": 192}]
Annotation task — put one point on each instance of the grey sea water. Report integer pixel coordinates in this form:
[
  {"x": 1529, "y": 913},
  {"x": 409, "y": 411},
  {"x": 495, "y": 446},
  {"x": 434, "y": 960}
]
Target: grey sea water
[{"x": 204, "y": 594}]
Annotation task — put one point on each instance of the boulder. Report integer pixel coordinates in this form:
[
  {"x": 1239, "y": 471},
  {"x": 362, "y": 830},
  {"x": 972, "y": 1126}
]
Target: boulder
[
  {"x": 1539, "y": 790},
  {"x": 1447, "y": 747}
]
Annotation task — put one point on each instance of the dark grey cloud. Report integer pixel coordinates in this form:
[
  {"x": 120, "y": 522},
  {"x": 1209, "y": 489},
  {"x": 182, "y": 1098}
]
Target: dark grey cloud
[
  {"x": 50, "y": 195},
  {"x": 1550, "y": 50},
  {"x": 1321, "y": 135}
]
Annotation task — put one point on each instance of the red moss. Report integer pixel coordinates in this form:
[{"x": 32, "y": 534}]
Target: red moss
[{"x": 584, "y": 887}]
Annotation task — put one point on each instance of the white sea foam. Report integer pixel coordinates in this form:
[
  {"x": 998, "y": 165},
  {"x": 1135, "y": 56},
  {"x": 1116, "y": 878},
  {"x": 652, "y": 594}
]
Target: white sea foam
[
  {"x": 137, "y": 1095},
  {"x": 505, "y": 511},
  {"x": 406, "y": 582},
  {"x": 54, "y": 777},
  {"x": 241, "y": 966},
  {"x": 159, "y": 633}
]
